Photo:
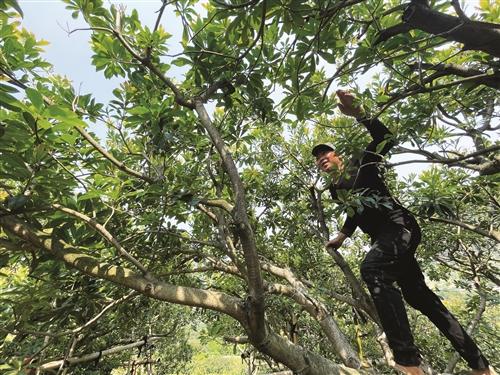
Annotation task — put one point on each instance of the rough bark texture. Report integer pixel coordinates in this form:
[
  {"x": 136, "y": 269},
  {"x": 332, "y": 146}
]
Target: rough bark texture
[
  {"x": 328, "y": 325},
  {"x": 298, "y": 292},
  {"x": 301, "y": 360},
  {"x": 474, "y": 35}
]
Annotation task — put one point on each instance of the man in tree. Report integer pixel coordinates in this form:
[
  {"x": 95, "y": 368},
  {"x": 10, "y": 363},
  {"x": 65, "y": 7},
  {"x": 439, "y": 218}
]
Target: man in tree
[{"x": 395, "y": 235}]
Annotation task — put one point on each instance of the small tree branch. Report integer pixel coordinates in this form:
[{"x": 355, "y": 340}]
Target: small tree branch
[
  {"x": 120, "y": 165},
  {"x": 236, "y": 339},
  {"x": 219, "y": 203},
  {"x": 79, "y": 329},
  {"x": 493, "y": 234},
  {"x": 93, "y": 356},
  {"x": 91, "y": 140},
  {"x": 388, "y": 33},
  {"x": 424, "y": 89},
  {"x": 179, "y": 97},
  {"x": 104, "y": 234},
  {"x": 458, "y": 70},
  {"x": 223, "y": 83},
  {"x": 352, "y": 280},
  {"x": 486, "y": 167}
]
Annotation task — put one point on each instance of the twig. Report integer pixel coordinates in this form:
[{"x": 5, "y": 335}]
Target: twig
[
  {"x": 430, "y": 89},
  {"x": 120, "y": 165},
  {"x": 493, "y": 234},
  {"x": 105, "y": 234}
]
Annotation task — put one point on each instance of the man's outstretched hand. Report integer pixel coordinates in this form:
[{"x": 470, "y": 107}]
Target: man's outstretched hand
[
  {"x": 336, "y": 242},
  {"x": 347, "y": 104}
]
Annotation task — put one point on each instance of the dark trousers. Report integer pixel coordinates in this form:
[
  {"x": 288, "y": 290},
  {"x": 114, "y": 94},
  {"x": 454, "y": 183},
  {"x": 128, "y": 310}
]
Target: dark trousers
[{"x": 391, "y": 260}]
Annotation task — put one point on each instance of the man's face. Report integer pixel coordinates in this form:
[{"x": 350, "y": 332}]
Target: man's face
[{"x": 329, "y": 161}]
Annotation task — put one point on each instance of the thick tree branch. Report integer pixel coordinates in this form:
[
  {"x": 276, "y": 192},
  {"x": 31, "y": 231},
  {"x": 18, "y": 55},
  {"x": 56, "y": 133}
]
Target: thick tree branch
[
  {"x": 474, "y": 35},
  {"x": 300, "y": 360},
  {"x": 320, "y": 313},
  {"x": 150, "y": 287},
  {"x": 219, "y": 203},
  {"x": 243, "y": 227}
]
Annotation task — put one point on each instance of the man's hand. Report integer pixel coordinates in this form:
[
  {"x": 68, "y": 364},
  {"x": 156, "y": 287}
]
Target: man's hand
[
  {"x": 337, "y": 241},
  {"x": 347, "y": 105}
]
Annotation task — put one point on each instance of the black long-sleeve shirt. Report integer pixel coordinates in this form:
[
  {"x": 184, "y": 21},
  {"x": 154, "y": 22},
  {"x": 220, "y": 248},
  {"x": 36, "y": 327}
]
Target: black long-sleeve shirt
[{"x": 371, "y": 207}]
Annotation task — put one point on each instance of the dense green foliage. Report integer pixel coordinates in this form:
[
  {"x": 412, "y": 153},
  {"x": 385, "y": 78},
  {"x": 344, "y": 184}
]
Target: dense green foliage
[{"x": 156, "y": 182}]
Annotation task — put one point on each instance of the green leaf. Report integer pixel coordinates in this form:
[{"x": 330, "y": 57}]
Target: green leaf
[
  {"x": 64, "y": 115},
  {"x": 30, "y": 120},
  {"x": 10, "y": 102},
  {"x": 381, "y": 146},
  {"x": 7, "y": 88},
  {"x": 14, "y": 4},
  {"x": 35, "y": 97},
  {"x": 139, "y": 110},
  {"x": 181, "y": 61},
  {"x": 350, "y": 211},
  {"x": 484, "y": 4}
]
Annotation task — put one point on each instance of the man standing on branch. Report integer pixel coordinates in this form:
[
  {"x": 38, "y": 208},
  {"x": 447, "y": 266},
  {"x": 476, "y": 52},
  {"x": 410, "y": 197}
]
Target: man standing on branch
[{"x": 395, "y": 235}]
